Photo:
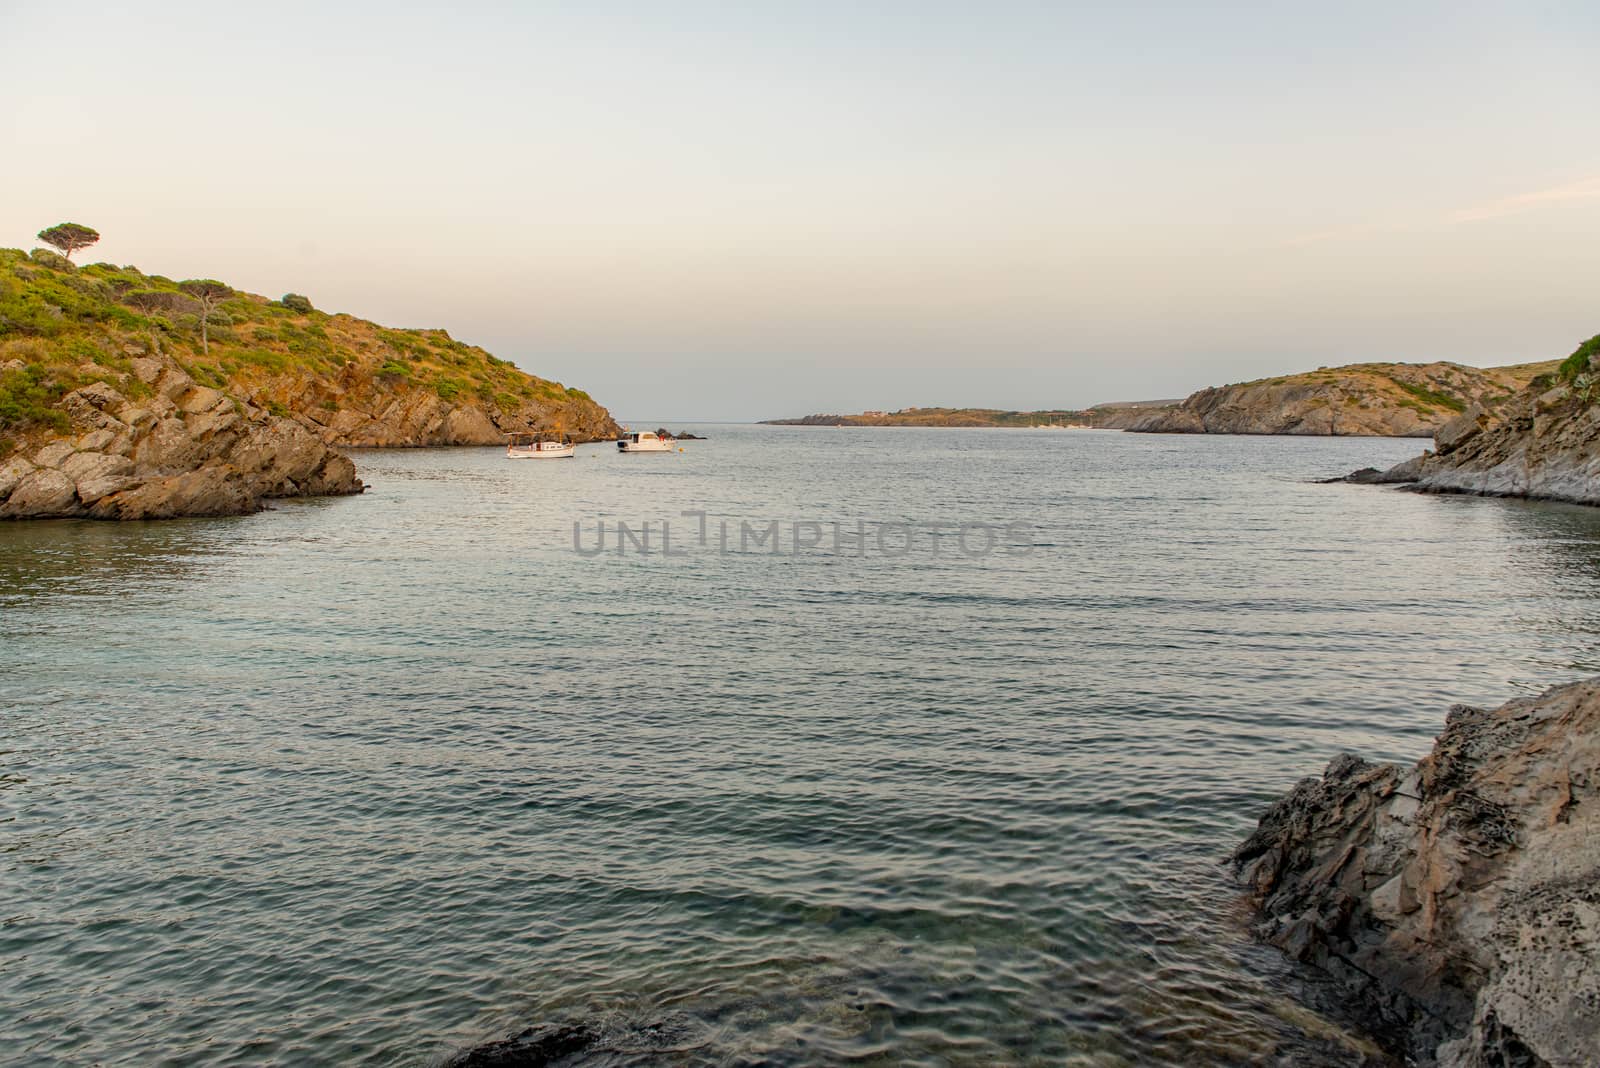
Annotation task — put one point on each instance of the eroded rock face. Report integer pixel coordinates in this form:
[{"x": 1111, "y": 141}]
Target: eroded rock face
[
  {"x": 185, "y": 450},
  {"x": 1457, "y": 901},
  {"x": 1545, "y": 445}
]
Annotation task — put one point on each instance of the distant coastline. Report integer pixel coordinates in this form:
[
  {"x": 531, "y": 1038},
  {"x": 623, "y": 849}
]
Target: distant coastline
[
  {"x": 1357, "y": 400},
  {"x": 1118, "y": 416}
]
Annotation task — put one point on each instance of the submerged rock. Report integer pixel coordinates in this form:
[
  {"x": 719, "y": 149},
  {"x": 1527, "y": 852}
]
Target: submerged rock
[
  {"x": 534, "y": 1047},
  {"x": 1457, "y": 902}
]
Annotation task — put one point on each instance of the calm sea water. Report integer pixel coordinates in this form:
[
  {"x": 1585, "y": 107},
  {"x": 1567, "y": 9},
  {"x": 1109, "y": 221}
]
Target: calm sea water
[{"x": 368, "y": 780}]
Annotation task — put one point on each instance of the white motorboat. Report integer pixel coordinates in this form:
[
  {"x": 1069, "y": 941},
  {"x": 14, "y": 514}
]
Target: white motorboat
[
  {"x": 539, "y": 447},
  {"x": 644, "y": 441}
]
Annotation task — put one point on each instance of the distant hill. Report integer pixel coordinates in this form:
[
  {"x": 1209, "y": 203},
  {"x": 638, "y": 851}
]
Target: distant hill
[
  {"x": 1376, "y": 399},
  {"x": 1111, "y": 416}
]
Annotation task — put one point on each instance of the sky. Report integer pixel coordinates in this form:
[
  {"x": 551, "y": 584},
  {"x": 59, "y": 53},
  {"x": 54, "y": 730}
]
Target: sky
[{"x": 729, "y": 211}]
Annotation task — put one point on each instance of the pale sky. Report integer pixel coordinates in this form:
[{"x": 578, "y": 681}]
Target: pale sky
[{"x": 746, "y": 210}]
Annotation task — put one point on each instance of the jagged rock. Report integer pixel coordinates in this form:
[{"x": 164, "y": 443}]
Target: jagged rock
[
  {"x": 43, "y": 492},
  {"x": 202, "y": 399},
  {"x": 147, "y": 370},
  {"x": 12, "y": 472},
  {"x": 88, "y": 405},
  {"x": 160, "y": 461},
  {"x": 1457, "y": 902},
  {"x": 174, "y": 382},
  {"x": 52, "y": 454},
  {"x": 95, "y": 465},
  {"x": 93, "y": 488},
  {"x": 1536, "y": 447},
  {"x": 96, "y": 440},
  {"x": 471, "y": 426},
  {"x": 209, "y": 491},
  {"x": 1460, "y": 430}
]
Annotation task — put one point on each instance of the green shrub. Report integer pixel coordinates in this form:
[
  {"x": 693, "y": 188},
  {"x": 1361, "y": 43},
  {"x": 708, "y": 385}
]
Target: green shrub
[
  {"x": 296, "y": 302},
  {"x": 265, "y": 358},
  {"x": 394, "y": 369},
  {"x": 1580, "y": 361},
  {"x": 1433, "y": 397},
  {"x": 53, "y": 260},
  {"x": 27, "y": 395}
]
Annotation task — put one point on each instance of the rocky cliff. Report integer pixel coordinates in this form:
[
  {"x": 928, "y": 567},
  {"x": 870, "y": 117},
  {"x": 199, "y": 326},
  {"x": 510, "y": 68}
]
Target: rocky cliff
[
  {"x": 1544, "y": 443},
  {"x": 122, "y": 396},
  {"x": 176, "y": 449},
  {"x": 1375, "y": 399},
  {"x": 1458, "y": 902}
]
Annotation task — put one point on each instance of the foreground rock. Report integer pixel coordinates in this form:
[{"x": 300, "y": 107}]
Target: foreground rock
[
  {"x": 1372, "y": 399},
  {"x": 608, "y": 1037},
  {"x": 1458, "y": 902},
  {"x": 534, "y": 1047},
  {"x": 176, "y": 449}
]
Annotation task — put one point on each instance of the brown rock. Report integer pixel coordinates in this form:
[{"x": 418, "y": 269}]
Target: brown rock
[
  {"x": 1460, "y": 430},
  {"x": 208, "y": 491},
  {"x": 12, "y": 472},
  {"x": 202, "y": 399},
  {"x": 82, "y": 465},
  {"x": 41, "y": 494},
  {"x": 52, "y": 454},
  {"x": 174, "y": 382},
  {"x": 147, "y": 370},
  {"x": 1457, "y": 902},
  {"x": 95, "y": 440}
]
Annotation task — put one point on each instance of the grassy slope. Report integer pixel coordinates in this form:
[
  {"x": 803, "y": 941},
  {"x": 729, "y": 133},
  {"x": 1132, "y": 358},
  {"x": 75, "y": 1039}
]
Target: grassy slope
[
  {"x": 68, "y": 327},
  {"x": 1428, "y": 389}
]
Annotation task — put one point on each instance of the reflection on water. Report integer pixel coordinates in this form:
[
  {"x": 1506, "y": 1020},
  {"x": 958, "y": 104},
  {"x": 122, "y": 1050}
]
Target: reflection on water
[{"x": 368, "y": 779}]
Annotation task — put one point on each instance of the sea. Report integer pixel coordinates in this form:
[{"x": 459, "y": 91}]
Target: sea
[{"x": 791, "y": 746}]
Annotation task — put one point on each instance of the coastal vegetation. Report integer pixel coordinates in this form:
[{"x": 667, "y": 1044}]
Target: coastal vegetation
[
  {"x": 63, "y": 326},
  {"x": 69, "y": 238},
  {"x": 1378, "y": 399},
  {"x": 127, "y": 395}
]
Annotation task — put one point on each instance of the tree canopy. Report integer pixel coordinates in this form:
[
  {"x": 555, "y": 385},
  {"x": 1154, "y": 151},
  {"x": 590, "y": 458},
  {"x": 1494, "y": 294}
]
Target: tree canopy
[{"x": 69, "y": 237}]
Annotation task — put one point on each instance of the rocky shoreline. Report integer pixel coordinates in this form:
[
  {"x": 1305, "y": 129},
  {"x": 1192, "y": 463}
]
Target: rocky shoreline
[
  {"x": 123, "y": 395},
  {"x": 1457, "y": 902},
  {"x": 1543, "y": 446},
  {"x": 177, "y": 449}
]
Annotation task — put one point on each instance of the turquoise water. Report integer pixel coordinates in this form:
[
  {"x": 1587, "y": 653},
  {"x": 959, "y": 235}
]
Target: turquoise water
[{"x": 371, "y": 779}]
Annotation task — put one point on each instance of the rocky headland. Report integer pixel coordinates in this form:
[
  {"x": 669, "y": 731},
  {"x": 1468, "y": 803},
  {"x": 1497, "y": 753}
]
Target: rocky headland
[
  {"x": 1543, "y": 444},
  {"x": 125, "y": 396},
  {"x": 1457, "y": 902},
  {"x": 1369, "y": 399}
]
